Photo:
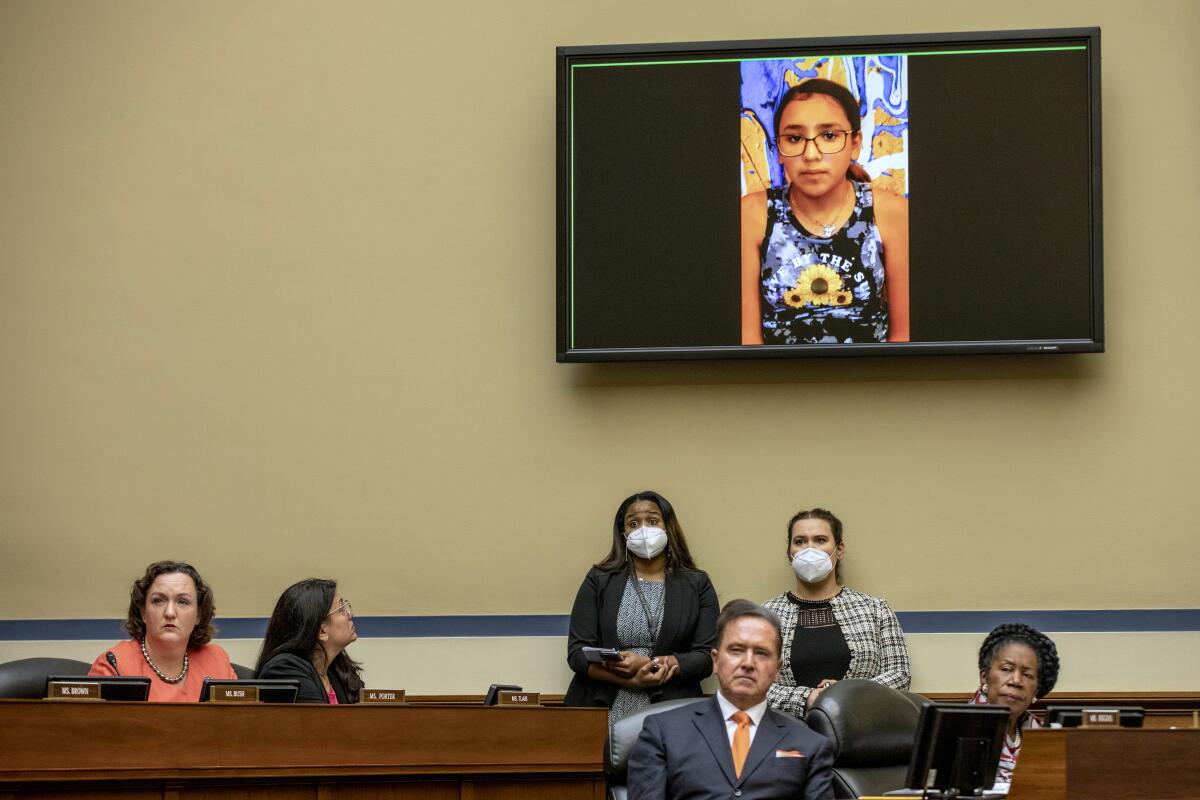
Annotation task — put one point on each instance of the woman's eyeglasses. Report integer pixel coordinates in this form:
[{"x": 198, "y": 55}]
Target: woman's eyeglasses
[
  {"x": 344, "y": 608},
  {"x": 826, "y": 142}
]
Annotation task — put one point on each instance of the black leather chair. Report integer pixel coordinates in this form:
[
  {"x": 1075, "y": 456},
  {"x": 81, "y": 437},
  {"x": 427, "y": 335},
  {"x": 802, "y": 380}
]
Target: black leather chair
[
  {"x": 243, "y": 673},
  {"x": 872, "y": 728},
  {"x": 26, "y": 677},
  {"x": 918, "y": 700},
  {"x": 622, "y": 736}
]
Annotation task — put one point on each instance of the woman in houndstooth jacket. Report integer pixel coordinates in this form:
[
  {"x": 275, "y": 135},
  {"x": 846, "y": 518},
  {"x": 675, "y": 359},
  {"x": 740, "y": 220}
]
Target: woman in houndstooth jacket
[{"x": 830, "y": 631}]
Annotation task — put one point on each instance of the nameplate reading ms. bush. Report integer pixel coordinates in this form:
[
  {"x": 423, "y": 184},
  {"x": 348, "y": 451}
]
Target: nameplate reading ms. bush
[{"x": 233, "y": 694}]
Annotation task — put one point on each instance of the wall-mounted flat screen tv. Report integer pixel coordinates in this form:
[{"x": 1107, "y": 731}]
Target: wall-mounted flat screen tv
[{"x": 871, "y": 195}]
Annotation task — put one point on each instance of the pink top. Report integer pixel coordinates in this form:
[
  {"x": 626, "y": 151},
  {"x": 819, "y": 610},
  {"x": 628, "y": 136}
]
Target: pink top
[
  {"x": 1012, "y": 748},
  {"x": 206, "y": 660},
  {"x": 332, "y": 697}
]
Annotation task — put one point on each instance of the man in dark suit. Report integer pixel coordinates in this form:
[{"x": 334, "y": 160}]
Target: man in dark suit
[{"x": 732, "y": 745}]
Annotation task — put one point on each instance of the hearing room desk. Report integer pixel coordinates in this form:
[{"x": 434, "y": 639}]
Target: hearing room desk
[
  {"x": 192, "y": 751},
  {"x": 1108, "y": 764}
]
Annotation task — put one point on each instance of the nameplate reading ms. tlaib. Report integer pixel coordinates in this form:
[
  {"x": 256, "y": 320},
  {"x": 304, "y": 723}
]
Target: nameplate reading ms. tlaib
[
  {"x": 233, "y": 694},
  {"x": 518, "y": 699},
  {"x": 63, "y": 690},
  {"x": 381, "y": 696},
  {"x": 1101, "y": 718}
]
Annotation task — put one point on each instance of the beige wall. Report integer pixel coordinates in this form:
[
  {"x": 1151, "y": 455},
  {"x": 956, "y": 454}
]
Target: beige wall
[{"x": 276, "y": 296}]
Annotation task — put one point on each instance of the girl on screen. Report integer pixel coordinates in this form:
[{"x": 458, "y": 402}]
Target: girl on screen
[{"x": 824, "y": 257}]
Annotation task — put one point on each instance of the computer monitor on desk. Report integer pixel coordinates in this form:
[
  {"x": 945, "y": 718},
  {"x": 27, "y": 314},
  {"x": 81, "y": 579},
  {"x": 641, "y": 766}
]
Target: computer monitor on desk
[{"x": 957, "y": 749}]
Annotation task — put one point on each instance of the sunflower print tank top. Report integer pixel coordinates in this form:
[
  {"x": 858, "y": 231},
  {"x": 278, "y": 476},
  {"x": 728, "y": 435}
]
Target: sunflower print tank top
[{"x": 818, "y": 290}]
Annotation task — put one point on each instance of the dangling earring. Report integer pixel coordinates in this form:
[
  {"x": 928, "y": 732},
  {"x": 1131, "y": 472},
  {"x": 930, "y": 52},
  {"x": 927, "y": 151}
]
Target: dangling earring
[{"x": 983, "y": 688}]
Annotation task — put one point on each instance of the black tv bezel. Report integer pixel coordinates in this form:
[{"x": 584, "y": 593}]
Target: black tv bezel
[
  {"x": 926, "y": 743},
  {"x": 564, "y": 57}
]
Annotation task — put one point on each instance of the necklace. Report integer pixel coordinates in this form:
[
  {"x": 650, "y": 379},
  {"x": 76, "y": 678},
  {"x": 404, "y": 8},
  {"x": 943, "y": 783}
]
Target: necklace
[
  {"x": 653, "y": 618},
  {"x": 158, "y": 672},
  {"x": 827, "y": 228}
]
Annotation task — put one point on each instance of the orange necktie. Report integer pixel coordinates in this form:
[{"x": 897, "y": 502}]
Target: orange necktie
[{"x": 741, "y": 741}]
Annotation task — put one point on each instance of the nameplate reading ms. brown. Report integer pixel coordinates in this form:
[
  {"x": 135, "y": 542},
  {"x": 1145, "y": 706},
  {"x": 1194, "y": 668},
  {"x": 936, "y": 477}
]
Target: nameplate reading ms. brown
[
  {"x": 381, "y": 696},
  {"x": 62, "y": 690},
  {"x": 518, "y": 699}
]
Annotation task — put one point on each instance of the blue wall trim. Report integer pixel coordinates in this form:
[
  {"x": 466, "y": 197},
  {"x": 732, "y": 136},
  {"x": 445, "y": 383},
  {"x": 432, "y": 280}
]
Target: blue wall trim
[
  {"x": 523, "y": 625},
  {"x": 1118, "y": 620}
]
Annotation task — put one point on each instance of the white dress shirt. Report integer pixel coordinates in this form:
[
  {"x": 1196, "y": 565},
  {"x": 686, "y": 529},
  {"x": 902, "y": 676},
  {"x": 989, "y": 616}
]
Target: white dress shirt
[{"x": 728, "y": 709}]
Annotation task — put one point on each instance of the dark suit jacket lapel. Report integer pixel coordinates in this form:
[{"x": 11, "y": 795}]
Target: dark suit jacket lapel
[
  {"x": 610, "y": 604},
  {"x": 315, "y": 677},
  {"x": 674, "y": 598},
  {"x": 770, "y": 732},
  {"x": 711, "y": 725}
]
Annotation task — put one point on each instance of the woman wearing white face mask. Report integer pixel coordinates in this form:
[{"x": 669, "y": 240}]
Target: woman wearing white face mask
[
  {"x": 647, "y": 601},
  {"x": 830, "y": 631}
]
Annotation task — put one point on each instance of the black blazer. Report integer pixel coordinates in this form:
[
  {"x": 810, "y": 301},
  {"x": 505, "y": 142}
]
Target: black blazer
[
  {"x": 685, "y": 753},
  {"x": 289, "y": 665},
  {"x": 689, "y": 632}
]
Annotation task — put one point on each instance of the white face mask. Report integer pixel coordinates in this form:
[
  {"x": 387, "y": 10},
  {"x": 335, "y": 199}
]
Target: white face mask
[
  {"x": 646, "y": 542},
  {"x": 812, "y": 565}
]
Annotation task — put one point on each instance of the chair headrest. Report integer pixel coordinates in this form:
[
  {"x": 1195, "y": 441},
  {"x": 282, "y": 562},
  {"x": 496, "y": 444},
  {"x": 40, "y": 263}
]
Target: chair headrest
[
  {"x": 26, "y": 677},
  {"x": 869, "y": 724},
  {"x": 624, "y": 733}
]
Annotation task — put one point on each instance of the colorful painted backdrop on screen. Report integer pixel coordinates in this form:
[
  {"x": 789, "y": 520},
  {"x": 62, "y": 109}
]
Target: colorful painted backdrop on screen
[{"x": 879, "y": 83}]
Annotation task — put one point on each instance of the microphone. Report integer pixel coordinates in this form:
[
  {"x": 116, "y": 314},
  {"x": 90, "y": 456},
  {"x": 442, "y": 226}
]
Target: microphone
[{"x": 112, "y": 661}]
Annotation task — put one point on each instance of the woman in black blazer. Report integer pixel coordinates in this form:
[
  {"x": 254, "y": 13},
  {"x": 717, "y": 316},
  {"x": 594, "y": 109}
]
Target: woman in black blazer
[
  {"x": 647, "y": 601},
  {"x": 306, "y": 640}
]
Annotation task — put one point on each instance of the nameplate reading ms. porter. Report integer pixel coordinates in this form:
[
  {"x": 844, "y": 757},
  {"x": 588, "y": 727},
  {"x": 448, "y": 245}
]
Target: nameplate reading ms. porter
[
  {"x": 518, "y": 699},
  {"x": 381, "y": 696},
  {"x": 233, "y": 694},
  {"x": 62, "y": 690}
]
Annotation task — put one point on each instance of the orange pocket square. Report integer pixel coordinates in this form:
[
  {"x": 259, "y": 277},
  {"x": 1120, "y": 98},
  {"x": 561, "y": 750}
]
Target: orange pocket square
[{"x": 788, "y": 754}]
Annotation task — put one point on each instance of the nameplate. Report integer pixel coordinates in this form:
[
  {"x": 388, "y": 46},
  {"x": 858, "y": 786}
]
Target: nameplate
[
  {"x": 381, "y": 696},
  {"x": 1101, "y": 718},
  {"x": 62, "y": 690},
  {"x": 232, "y": 694},
  {"x": 518, "y": 699}
]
